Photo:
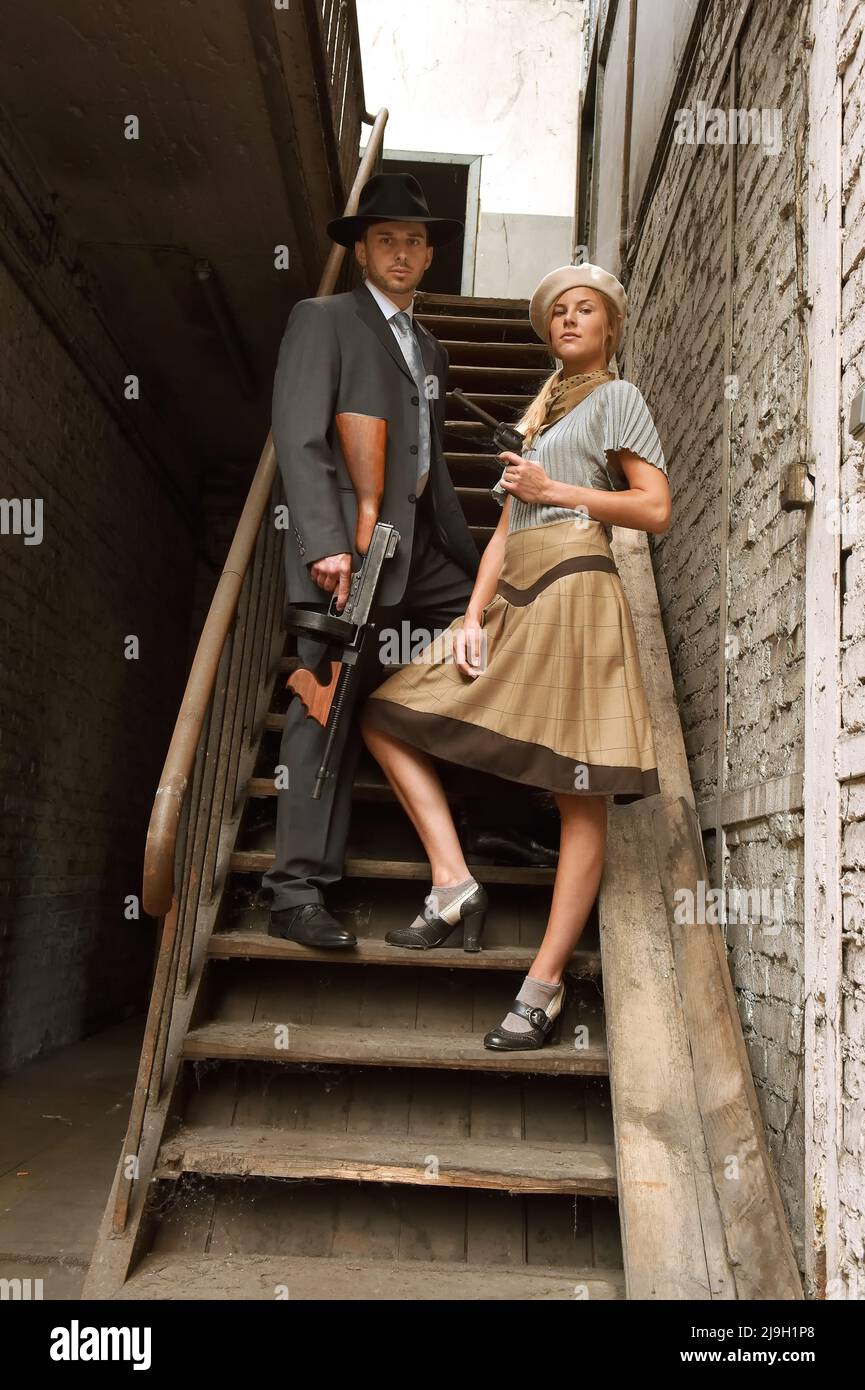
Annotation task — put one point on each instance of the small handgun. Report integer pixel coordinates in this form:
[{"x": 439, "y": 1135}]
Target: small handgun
[{"x": 505, "y": 437}]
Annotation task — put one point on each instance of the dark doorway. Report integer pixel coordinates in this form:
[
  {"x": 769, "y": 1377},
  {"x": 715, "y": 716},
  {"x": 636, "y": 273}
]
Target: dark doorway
[{"x": 446, "y": 188}]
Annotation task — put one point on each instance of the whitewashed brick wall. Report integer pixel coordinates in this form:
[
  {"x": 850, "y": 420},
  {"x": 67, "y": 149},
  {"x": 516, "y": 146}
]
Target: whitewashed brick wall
[
  {"x": 676, "y": 356},
  {"x": 851, "y": 1176}
]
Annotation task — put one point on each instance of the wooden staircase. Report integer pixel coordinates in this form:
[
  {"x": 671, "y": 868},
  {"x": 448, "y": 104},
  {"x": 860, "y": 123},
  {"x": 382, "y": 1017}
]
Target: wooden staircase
[{"x": 329, "y": 1125}]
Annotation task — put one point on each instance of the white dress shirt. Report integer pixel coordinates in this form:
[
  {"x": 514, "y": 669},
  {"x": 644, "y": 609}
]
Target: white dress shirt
[
  {"x": 390, "y": 311},
  {"x": 388, "y": 308}
]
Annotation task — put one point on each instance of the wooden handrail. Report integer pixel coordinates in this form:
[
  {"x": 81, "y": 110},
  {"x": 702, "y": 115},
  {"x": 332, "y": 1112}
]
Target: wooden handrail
[{"x": 159, "y": 854}]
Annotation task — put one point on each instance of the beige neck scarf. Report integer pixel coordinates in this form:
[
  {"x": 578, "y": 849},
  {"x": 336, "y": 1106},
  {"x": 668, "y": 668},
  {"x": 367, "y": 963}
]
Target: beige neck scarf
[{"x": 569, "y": 391}]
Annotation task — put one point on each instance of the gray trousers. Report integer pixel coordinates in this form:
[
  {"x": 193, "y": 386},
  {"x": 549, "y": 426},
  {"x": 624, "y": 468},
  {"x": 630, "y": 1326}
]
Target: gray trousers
[{"x": 311, "y": 835}]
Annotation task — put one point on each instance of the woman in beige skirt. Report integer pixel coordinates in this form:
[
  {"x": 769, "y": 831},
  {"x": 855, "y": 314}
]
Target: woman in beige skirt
[{"x": 540, "y": 681}]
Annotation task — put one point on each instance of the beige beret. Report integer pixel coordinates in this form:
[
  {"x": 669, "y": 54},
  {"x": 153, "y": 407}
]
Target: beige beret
[{"x": 569, "y": 277}]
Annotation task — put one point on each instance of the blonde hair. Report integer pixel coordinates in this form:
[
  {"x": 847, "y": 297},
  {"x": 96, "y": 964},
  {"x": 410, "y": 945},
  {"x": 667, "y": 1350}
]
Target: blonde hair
[{"x": 536, "y": 411}]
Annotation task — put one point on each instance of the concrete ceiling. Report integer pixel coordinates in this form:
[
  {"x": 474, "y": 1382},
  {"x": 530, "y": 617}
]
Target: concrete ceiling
[{"x": 211, "y": 178}]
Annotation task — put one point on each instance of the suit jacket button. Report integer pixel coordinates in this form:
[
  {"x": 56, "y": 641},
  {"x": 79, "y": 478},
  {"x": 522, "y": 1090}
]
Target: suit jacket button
[
  {"x": 413, "y": 449},
  {"x": 415, "y": 400},
  {"x": 411, "y": 497}
]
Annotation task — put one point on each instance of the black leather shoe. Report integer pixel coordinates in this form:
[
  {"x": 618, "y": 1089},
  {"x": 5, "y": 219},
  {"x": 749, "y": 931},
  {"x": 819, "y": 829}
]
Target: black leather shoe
[
  {"x": 546, "y": 1026},
  {"x": 503, "y": 845},
  {"x": 511, "y": 847},
  {"x": 312, "y": 925}
]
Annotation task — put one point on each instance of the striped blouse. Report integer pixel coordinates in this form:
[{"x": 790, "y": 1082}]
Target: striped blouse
[{"x": 573, "y": 450}]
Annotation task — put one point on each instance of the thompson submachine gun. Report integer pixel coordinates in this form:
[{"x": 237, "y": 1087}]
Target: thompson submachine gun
[
  {"x": 364, "y": 445},
  {"x": 505, "y": 437}
]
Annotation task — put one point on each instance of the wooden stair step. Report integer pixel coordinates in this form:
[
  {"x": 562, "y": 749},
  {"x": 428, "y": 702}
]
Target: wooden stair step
[
  {"x": 257, "y": 861},
  {"x": 455, "y": 322},
  {"x": 460, "y": 303},
  {"x": 462, "y": 371},
  {"x": 470, "y": 330},
  {"x": 241, "y": 1151},
  {"x": 243, "y": 943},
  {"x": 364, "y": 788},
  {"x": 485, "y": 460},
  {"x": 398, "y": 1047},
  {"x": 487, "y": 400},
  {"x": 495, "y": 349},
  {"x": 257, "y": 1277},
  {"x": 469, "y": 427}
]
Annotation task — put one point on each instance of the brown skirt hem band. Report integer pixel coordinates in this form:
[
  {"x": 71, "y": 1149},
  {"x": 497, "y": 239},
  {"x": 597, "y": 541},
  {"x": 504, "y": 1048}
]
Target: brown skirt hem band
[{"x": 472, "y": 746}]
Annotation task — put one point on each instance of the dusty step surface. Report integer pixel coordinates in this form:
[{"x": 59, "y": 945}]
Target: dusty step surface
[
  {"x": 244, "y": 1151},
  {"x": 258, "y": 861},
  {"x": 241, "y": 941},
  {"x": 494, "y": 402},
  {"x": 471, "y": 303},
  {"x": 268, "y": 1277},
  {"x": 515, "y": 925},
  {"x": 384, "y": 1017},
  {"x": 495, "y": 376},
  {"x": 484, "y": 466},
  {"x": 428, "y": 1109},
  {"x": 406, "y": 1229},
  {"x": 389, "y": 831},
  {"x": 387, "y": 1048},
  {"x": 469, "y": 327},
  {"x": 497, "y": 352},
  {"x": 363, "y": 788}
]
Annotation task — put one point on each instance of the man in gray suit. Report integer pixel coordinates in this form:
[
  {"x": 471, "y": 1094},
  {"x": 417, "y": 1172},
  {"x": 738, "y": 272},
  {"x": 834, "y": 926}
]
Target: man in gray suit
[{"x": 363, "y": 353}]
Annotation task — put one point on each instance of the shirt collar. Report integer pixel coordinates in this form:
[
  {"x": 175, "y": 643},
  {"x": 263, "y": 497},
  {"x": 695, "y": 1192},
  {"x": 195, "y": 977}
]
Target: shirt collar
[{"x": 386, "y": 305}]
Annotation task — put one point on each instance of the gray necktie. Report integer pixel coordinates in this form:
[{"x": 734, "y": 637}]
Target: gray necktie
[{"x": 412, "y": 353}]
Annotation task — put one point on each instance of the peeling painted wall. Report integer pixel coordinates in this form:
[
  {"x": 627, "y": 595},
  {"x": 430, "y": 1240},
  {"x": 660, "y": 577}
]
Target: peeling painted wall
[{"x": 851, "y": 1174}]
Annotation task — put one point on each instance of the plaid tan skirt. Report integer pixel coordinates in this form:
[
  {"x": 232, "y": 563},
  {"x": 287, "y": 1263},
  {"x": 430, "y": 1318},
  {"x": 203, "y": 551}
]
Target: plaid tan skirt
[{"x": 559, "y": 704}]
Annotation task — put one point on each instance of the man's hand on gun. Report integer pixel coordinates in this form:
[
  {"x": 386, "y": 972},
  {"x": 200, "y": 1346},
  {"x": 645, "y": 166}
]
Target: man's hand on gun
[{"x": 333, "y": 573}]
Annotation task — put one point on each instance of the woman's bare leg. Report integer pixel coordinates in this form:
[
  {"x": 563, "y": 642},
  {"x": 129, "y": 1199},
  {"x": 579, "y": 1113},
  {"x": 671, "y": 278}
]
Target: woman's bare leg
[
  {"x": 418, "y": 787},
  {"x": 578, "y": 878}
]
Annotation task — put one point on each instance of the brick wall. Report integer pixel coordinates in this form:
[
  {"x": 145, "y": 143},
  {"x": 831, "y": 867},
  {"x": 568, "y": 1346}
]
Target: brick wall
[
  {"x": 851, "y": 1174},
  {"x": 676, "y": 356},
  {"x": 83, "y": 731}
]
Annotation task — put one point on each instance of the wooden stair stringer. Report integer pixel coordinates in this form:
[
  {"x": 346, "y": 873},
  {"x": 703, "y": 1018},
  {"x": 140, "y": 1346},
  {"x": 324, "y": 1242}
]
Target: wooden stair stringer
[
  {"x": 755, "y": 1223},
  {"x": 115, "y": 1254},
  {"x": 701, "y": 1213},
  {"x": 672, "y": 1238}
]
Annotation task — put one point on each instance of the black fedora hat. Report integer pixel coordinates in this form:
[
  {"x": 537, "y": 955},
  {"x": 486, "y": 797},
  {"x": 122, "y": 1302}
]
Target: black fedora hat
[{"x": 393, "y": 198}]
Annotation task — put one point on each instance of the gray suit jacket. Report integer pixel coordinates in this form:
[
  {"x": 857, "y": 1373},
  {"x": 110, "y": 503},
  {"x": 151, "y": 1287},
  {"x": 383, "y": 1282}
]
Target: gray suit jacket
[{"x": 339, "y": 353}]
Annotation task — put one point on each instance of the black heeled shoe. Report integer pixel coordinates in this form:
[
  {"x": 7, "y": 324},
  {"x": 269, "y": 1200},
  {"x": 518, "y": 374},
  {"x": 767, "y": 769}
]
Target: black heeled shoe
[
  {"x": 493, "y": 845},
  {"x": 546, "y": 1026},
  {"x": 468, "y": 912}
]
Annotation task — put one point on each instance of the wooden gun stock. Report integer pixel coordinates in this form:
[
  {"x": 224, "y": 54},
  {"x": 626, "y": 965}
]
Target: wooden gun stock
[{"x": 317, "y": 698}]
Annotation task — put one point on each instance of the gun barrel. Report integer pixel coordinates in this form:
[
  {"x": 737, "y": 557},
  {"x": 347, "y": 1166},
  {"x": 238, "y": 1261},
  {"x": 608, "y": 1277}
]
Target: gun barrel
[{"x": 475, "y": 409}]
